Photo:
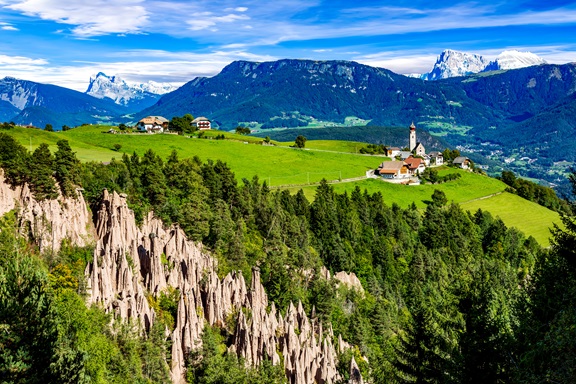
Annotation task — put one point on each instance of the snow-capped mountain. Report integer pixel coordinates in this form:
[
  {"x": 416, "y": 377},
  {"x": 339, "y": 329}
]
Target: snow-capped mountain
[
  {"x": 452, "y": 63},
  {"x": 132, "y": 95},
  {"x": 515, "y": 59},
  {"x": 19, "y": 93}
]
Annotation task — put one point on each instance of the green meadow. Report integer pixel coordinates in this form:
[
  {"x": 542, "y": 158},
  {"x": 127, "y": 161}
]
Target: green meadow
[
  {"x": 280, "y": 165},
  {"x": 85, "y": 150},
  {"x": 469, "y": 186},
  {"x": 528, "y": 217}
]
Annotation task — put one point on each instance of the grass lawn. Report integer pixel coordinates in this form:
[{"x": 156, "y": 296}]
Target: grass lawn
[
  {"x": 469, "y": 186},
  {"x": 278, "y": 165},
  {"x": 31, "y": 138},
  {"x": 528, "y": 217},
  {"x": 335, "y": 145}
]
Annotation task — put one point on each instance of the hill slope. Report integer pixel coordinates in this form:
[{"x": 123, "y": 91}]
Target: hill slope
[{"x": 39, "y": 104}]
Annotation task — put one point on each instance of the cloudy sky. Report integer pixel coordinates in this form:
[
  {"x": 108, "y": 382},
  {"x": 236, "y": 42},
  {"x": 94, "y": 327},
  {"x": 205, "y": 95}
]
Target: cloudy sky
[{"x": 63, "y": 42}]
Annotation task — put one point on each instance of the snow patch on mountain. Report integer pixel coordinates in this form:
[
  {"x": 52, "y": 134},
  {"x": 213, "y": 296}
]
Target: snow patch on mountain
[
  {"x": 19, "y": 93},
  {"x": 115, "y": 88},
  {"x": 452, "y": 63},
  {"x": 515, "y": 59}
]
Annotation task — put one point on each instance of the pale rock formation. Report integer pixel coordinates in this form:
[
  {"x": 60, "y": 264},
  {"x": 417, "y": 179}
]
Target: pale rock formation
[
  {"x": 355, "y": 376},
  {"x": 47, "y": 222},
  {"x": 350, "y": 280},
  {"x": 131, "y": 263}
]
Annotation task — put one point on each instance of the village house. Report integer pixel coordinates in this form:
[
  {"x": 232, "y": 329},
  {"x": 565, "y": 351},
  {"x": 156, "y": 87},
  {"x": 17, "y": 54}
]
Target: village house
[
  {"x": 415, "y": 165},
  {"x": 392, "y": 152},
  {"x": 201, "y": 123},
  {"x": 393, "y": 170},
  {"x": 436, "y": 158},
  {"x": 408, "y": 164},
  {"x": 153, "y": 124},
  {"x": 462, "y": 162}
]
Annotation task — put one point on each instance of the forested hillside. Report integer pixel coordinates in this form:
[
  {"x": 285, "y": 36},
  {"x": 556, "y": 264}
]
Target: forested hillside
[{"x": 449, "y": 296}]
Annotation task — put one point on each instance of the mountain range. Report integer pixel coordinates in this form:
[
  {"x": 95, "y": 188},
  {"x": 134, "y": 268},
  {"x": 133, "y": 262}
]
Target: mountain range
[
  {"x": 452, "y": 63},
  {"x": 134, "y": 96},
  {"x": 291, "y": 93}
]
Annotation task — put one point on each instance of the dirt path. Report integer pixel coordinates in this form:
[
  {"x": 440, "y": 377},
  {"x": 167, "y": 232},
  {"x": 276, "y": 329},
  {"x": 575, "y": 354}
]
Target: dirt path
[
  {"x": 327, "y": 150},
  {"x": 483, "y": 197}
]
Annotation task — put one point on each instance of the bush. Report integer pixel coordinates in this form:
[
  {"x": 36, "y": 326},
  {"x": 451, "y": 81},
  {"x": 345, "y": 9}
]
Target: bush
[{"x": 300, "y": 141}]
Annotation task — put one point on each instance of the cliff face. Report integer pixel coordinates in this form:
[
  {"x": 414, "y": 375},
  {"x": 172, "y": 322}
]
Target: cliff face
[
  {"x": 47, "y": 222},
  {"x": 130, "y": 263}
]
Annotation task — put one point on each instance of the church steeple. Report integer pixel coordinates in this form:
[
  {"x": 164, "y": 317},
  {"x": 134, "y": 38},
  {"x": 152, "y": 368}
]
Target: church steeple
[{"x": 412, "y": 139}]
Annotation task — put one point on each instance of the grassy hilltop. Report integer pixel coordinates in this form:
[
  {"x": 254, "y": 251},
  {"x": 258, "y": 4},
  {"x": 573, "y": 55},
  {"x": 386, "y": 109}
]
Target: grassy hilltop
[{"x": 281, "y": 165}]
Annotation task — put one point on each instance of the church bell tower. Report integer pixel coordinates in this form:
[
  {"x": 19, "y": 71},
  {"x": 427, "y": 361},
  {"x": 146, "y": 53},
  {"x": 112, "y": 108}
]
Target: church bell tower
[{"x": 412, "y": 142}]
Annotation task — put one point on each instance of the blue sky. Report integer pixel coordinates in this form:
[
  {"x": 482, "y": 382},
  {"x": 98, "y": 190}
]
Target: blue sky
[{"x": 63, "y": 42}]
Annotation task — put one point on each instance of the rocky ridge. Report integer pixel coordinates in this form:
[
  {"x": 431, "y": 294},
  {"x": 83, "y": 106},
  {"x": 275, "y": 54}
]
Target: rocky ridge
[
  {"x": 132, "y": 262},
  {"x": 127, "y": 94},
  {"x": 47, "y": 222},
  {"x": 453, "y": 63}
]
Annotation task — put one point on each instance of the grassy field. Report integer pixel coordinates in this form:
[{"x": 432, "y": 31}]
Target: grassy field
[
  {"x": 278, "y": 165},
  {"x": 335, "y": 145},
  {"x": 85, "y": 150},
  {"x": 325, "y": 145},
  {"x": 528, "y": 217},
  {"x": 469, "y": 186}
]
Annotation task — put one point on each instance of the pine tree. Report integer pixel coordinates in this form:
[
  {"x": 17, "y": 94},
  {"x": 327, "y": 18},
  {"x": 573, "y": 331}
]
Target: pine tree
[
  {"x": 14, "y": 159},
  {"x": 42, "y": 183},
  {"x": 67, "y": 168}
]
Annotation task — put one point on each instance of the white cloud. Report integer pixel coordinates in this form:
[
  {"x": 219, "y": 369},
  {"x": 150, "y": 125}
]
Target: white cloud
[
  {"x": 134, "y": 65},
  {"x": 7, "y": 26},
  {"x": 404, "y": 62},
  {"x": 21, "y": 60},
  {"x": 278, "y": 21},
  {"x": 230, "y": 18},
  {"x": 237, "y": 9},
  {"x": 199, "y": 24},
  {"x": 90, "y": 18}
]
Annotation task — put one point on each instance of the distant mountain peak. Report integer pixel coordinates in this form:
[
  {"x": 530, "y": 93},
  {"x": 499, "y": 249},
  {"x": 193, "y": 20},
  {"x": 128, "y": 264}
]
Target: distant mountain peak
[
  {"x": 123, "y": 93},
  {"x": 513, "y": 59},
  {"x": 452, "y": 63}
]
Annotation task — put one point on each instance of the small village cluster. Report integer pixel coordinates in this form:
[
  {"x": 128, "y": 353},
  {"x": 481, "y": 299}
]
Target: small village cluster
[
  {"x": 159, "y": 124},
  {"x": 413, "y": 162}
]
